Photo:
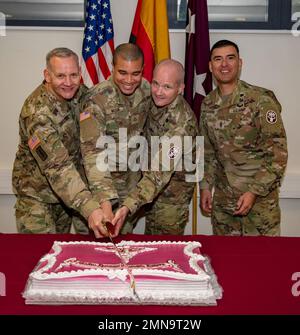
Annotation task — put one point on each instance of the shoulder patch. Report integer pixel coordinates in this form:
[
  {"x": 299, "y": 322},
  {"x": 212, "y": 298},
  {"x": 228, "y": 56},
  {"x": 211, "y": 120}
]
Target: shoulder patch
[
  {"x": 101, "y": 99},
  {"x": 84, "y": 115},
  {"x": 33, "y": 142},
  {"x": 42, "y": 154},
  {"x": 271, "y": 117},
  {"x": 173, "y": 152}
]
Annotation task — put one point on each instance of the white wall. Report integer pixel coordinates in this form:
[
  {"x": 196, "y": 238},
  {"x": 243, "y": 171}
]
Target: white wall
[{"x": 270, "y": 59}]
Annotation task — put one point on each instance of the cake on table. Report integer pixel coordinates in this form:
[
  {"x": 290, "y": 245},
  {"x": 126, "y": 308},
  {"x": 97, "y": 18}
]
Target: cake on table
[{"x": 160, "y": 272}]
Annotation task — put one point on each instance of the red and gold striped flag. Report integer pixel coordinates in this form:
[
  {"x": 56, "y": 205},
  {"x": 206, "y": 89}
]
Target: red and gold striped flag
[{"x": 150, "y": 32}]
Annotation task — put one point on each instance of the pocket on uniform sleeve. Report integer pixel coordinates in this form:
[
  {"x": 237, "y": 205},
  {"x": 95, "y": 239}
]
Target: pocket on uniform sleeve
[{"x": 88, "y": 130}]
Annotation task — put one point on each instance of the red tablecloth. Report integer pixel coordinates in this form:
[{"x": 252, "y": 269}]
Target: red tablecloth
[{"x": 255, "y": 273}]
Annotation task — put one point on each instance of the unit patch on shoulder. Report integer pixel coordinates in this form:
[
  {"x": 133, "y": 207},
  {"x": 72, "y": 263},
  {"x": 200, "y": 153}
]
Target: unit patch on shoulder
[
  {"x": 173, "y": 152},
  {"x": 271, "y": 117}
]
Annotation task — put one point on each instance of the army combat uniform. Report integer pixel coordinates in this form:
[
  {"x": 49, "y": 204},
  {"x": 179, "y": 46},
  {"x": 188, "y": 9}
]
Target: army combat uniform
[
  {"x": 48, "y": 178},
  {"x": 245, "y": 150},
  {"x": 169, "y": 191},
  {"x": 109, "y": 116}
]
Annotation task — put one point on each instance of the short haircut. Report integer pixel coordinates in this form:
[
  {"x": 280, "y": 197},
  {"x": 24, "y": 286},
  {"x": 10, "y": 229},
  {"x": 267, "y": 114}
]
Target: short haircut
[
  {"x": 177, "y": 66},
  {"x": 128, "y": 52},
  {"x": 224, "y": 43},
  {"x": 62, "y": 53}
]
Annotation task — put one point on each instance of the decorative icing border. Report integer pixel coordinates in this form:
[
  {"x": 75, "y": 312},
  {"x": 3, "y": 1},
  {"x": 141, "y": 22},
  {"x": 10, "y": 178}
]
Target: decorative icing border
[{"x": 122, "y": 273}]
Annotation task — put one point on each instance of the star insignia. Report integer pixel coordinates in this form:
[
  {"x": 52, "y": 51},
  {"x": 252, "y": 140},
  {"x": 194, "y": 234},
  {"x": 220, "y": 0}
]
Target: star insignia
[{"x": 198, "y": 83}]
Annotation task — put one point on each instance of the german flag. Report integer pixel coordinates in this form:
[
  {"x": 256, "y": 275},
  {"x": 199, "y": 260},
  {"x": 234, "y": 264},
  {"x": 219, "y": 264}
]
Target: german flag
[{"x": 150, "y": 32}]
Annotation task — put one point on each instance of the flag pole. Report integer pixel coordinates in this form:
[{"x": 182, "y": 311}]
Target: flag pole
[
  {"x": 195, "y": 210},
  {"x": 197, "y": 56}
]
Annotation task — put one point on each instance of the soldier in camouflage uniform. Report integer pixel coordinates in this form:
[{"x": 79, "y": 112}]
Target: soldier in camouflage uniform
[
  {"x": 112, "y": 108},
  {"x": 48, "y": 178},
  {"x": 169, "y": 192},
  {"x": 245, "y": 150}
]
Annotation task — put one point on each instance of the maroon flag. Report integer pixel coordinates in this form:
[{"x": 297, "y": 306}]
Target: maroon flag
[{"x": 198, "y": 80}]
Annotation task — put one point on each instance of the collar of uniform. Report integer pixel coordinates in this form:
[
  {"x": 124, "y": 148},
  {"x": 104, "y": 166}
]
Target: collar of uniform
[
  {"x": 52, "y": 98},
  {"x": 161, "y": 114},
  {"x": 79, "y": 94},
  {"x": 136, "y": 97},
  {"x": 157, "y": 113},
  {"x": 233, "y": 98}
]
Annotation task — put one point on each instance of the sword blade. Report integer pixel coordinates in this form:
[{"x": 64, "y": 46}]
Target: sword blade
[{"x": 131, "y": 277}]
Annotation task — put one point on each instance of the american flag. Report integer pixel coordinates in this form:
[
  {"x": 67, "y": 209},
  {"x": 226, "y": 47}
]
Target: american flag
[{"x": 98, "y": 42}]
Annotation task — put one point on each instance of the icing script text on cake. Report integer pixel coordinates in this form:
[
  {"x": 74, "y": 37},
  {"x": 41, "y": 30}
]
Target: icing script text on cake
[
  {"x": 2, "y": 285},
  {"x": 296, "y": 286}
]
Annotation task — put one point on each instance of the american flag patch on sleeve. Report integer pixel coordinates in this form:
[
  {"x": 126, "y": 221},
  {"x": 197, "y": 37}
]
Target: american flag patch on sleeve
[
  {"x": 84, "y": 116},
  {"x": 33, "y": 142}
]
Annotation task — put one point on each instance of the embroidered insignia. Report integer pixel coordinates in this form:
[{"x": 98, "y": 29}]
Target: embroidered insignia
[
  {"x": 42, "y": 154},
  {"x": 271, "y": 117},
  {"x": 84, "y": 116},
  {"x": 33, "y": 142},
  {"x": 173, "y": 152}
]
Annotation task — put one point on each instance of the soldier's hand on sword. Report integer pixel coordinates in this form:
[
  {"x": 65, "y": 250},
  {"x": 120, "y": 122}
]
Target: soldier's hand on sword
[
  {"x": 107, "y": 211},
  {"x": 95, "y": 221},
  {"x": 119, "y": 219}
]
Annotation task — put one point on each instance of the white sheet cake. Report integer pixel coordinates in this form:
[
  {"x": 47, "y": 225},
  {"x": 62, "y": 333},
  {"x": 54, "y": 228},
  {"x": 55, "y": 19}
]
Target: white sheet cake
[{"x": 165, "y": 273}]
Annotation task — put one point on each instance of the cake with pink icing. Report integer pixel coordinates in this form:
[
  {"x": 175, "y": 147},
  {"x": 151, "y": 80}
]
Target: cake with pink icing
[{"x": 171, "y": 273}]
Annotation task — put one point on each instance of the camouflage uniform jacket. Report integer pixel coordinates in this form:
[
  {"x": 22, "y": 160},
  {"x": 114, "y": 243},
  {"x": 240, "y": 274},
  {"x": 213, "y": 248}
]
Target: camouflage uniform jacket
[
  {"x": 176, "y": 120},
  {"x": 106, "y": 111},
  {"x": 245, "y": 140},
  {"x": 48, "y": 166}
]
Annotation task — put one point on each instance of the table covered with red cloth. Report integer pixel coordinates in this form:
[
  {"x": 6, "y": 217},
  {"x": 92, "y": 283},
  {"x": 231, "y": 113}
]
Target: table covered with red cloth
[{"x": 254, "y": 272}]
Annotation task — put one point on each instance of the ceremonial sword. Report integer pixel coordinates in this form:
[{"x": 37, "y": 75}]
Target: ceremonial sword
[{"x": 131, "y": 277}]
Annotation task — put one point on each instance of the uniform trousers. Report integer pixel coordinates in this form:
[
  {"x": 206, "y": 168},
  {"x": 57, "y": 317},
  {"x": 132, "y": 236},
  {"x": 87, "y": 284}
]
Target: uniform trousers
[
  {"x": 35, "y": 217},
  {"x": 262, "y": 219}
]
